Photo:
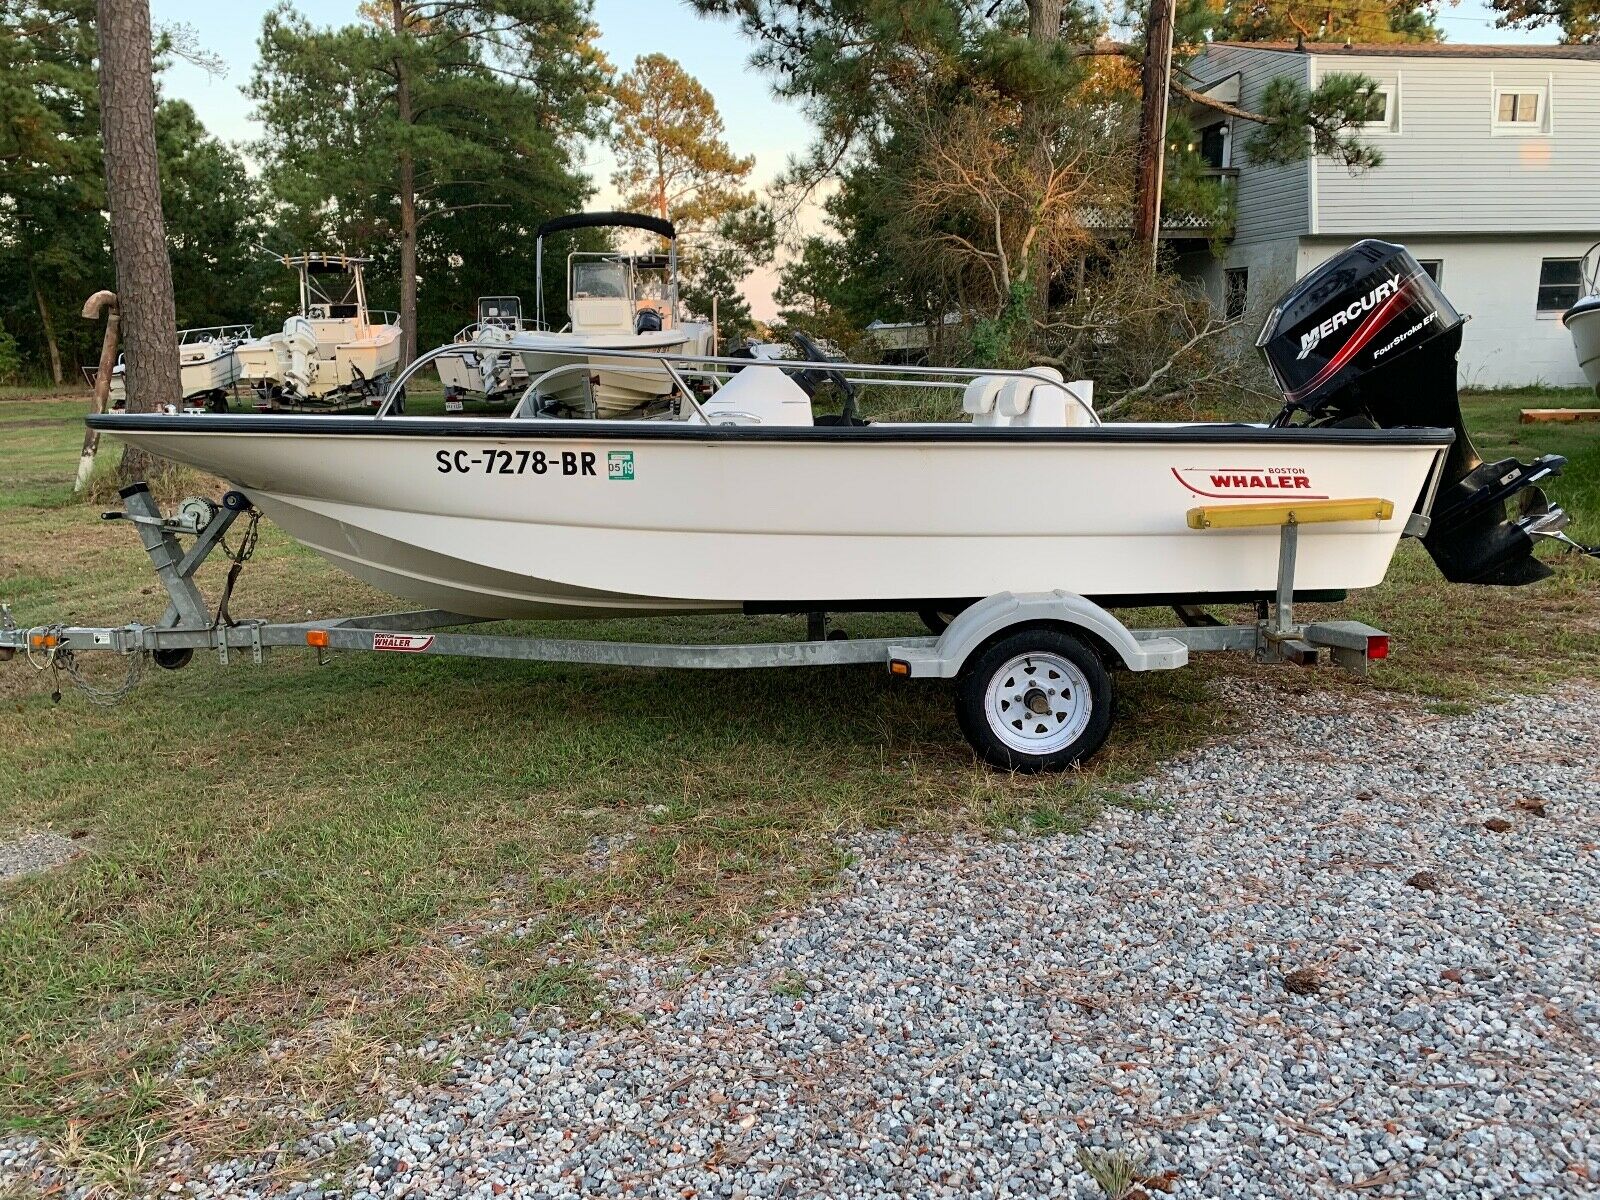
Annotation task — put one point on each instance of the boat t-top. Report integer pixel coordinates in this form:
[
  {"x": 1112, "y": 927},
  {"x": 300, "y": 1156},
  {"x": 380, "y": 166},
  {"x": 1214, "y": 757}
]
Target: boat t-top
[
  {"x": 615, "y": 301},
  {"x": 334, "y": 352},
  {"x": 208, "y": 365}
]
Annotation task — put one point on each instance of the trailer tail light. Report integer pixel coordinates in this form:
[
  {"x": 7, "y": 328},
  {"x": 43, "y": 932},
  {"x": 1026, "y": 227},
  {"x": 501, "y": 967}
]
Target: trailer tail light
[
  {"x": 899, "y": 666},
  {"x": 1377, "y": 647},
  {"x": 317, "y": 638}
]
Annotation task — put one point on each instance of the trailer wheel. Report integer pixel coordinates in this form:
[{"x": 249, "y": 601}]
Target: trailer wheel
[
  {"x": 173, "y": 660},
  {"x": 937, "y": 620},
  {"x": 1036, "y": 700}
]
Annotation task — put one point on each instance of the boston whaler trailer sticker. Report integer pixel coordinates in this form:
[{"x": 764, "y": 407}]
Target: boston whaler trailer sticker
[
  {"x": 402, "y": 643},
  {"x": 1248, "y": 483}
]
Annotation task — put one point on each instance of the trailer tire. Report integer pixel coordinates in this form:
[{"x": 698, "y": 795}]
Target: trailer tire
[
  {"x": 173, "y": 660},
  {"x": 937, "y": 620},
  {"x": 1038, "y": 699}
]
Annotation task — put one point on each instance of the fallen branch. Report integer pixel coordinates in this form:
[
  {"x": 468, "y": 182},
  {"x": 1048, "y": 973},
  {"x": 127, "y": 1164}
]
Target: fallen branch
[{"x": 1207, "y": 331}]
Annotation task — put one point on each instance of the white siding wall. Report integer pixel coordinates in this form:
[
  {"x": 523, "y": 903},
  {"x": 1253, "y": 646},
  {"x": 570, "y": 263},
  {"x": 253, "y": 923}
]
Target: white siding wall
[
  {"x": 1273, "y": 266},
  {"x": 1507, "y": 343},
  {"x": 1445, "y": 170},
  {"x": 1272, "y": 201}
]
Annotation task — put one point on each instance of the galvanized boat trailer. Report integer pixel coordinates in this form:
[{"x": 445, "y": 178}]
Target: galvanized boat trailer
[{"x": 1032, "y": 687}]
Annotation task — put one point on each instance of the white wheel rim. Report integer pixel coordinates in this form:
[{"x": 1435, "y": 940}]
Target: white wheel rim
[{"x": 1038, "y": 703}]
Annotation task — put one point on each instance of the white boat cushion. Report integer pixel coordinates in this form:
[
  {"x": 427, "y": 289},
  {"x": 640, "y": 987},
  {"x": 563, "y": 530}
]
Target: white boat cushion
[
  {"x": 979, "y": 398},
  {"x": 1015, "y": 397}
]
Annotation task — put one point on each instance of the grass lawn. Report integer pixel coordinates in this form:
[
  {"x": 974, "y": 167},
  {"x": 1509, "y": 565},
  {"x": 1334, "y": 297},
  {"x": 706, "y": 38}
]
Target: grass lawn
[{"x": 275, "y": 859}]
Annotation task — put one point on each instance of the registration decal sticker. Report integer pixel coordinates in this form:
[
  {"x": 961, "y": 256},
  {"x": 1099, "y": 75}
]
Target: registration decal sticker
[
  {"x": 619, "y": 465},
  {"x": 402, "y": 643},
  {"x": 1248, "y": 483}
]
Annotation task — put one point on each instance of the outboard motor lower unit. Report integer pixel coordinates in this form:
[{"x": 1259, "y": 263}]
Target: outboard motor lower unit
[{"x": 1368, "y": 339}]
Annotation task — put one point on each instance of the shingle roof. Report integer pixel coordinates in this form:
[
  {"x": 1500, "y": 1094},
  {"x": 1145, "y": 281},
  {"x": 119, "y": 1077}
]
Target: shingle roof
[{"x": 1425, "y": 49}]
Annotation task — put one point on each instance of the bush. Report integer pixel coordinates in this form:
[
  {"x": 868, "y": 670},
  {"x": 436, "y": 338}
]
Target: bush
[
  {"x": 1155, "y": 345},
  {"x": 10, "y": 358}
]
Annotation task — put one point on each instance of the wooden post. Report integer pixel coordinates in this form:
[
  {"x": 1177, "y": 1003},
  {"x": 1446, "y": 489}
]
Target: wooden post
[
  {"x": 100, "y": 302},
  {"x": 1154, "y": 81}
]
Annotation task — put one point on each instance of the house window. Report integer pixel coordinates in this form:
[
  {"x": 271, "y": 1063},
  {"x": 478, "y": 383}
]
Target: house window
[
  {"x": 1560, "y": 283},
  {"x": 1214, "y": 145},
  {"x": 1518, "y": 111},
  {"x": 1236, "y": 292},
  {"x": 1381, "y": 115},
  {"x": 1434, "y": 267}
]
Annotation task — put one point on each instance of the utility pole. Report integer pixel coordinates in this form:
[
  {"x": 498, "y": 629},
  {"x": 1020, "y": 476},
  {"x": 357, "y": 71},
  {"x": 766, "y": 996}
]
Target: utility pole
[{"x": 1154, "y": 81}]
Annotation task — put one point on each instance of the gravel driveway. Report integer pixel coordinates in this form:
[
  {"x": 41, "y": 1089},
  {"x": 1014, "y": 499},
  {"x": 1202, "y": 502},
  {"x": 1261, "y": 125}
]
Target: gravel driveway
[{"x": 1312, "y": 970}]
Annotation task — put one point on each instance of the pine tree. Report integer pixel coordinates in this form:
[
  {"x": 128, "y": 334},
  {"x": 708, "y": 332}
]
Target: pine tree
[
  {"x": 138, "y": 230},
  {"x": 425, "y": 110},
  {"x": 1578, "y": 20},
  {"x": 672, "y": 159},
  {"x": 1361, "y": 21}
]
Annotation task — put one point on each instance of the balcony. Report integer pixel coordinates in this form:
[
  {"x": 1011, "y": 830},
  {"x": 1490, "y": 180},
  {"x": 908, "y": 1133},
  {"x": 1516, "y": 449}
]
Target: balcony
[{"x": 1178, "y": 222}]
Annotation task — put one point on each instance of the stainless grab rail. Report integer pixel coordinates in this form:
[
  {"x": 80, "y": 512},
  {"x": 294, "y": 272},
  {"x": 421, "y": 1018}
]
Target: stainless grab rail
[{"x": 934, "y": 376}]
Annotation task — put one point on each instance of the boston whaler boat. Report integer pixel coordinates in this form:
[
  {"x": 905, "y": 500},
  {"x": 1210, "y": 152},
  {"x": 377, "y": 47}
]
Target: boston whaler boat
[
  {"x": 1029, "y": 521},
  {"x": 1583, "y": 319},
  {"x": 335, "y": 352},
  {"x": 615, "y": 301}
]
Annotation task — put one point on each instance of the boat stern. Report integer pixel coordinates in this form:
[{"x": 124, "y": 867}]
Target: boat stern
[{"x": 1368, "y": 339}]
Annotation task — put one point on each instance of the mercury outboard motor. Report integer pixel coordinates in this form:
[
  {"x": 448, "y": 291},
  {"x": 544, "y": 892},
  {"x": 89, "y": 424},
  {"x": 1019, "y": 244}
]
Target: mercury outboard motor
[{"x": 1368, "y": 339}]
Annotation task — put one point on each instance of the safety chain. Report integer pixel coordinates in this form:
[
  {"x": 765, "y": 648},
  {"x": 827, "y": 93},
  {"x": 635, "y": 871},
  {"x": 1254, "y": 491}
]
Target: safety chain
[
  {"x": 58, "y": 656},
  {"x": 247, "y": 547}
]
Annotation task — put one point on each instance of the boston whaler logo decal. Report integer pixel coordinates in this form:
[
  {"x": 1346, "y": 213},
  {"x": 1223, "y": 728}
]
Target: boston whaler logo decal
[
  {"x": 402, "y": 643},
  {"x": 1247, "y": 483},
  {"x": 1311, "y": 338}
]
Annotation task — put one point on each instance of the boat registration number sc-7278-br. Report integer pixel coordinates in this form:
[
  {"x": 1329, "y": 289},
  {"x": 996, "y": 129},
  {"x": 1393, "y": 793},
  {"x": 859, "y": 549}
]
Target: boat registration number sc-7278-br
[{"x": 516, "y": 462}]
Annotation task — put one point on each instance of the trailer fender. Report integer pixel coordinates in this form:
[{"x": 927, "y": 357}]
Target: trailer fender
[{"x": 995, "y": 615}]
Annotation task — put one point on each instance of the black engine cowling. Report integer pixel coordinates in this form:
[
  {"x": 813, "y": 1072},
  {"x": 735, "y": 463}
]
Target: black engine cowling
[{"x": 1368, "y": 337}]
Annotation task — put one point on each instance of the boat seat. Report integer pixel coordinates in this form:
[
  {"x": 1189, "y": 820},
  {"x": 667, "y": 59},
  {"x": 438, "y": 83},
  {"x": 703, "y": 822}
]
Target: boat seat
[
  {"x": 1028, "y": 403},
  {"x": 978, "y": 401}
]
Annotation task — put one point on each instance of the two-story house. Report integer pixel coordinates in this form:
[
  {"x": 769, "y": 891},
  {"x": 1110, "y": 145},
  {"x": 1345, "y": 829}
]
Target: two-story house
[{"x": 1491, "y": 177}]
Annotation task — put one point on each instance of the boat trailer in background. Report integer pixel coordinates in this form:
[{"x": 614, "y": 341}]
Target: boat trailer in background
[{"x": 1032, "y": 687}]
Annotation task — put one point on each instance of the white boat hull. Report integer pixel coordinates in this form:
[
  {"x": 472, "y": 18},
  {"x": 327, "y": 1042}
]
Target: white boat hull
[
  {"x": 482, "y": 366},
  {"x": 310, "y": 361},
  {"x": 214, "y": 374},
  {"x": 204, "y": 368},
  {"x": 618, "y": 385},
  {"x": 1583, "y": 323},
  {"x": 457, "y": 514}
]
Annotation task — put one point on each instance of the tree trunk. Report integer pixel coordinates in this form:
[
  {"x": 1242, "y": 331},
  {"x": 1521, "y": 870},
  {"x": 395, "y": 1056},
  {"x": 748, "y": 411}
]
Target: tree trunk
[
  {"x": 408, "y": 204},
  {"x": 1044, "y": 30},
  {"x": 1044, "y": 21},
  {"x": 1154, "y": 79},
  {"x": 138, "y": 233},
  {"x": 49, "y": 329}
]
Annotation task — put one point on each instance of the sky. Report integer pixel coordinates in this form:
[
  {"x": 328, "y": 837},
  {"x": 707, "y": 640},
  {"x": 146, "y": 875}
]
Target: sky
[{"x": 711, "y": 50}]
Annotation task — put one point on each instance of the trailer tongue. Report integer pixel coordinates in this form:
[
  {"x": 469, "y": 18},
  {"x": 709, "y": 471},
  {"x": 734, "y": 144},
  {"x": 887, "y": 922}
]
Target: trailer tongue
[{"x": 1368, "y": 339}]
